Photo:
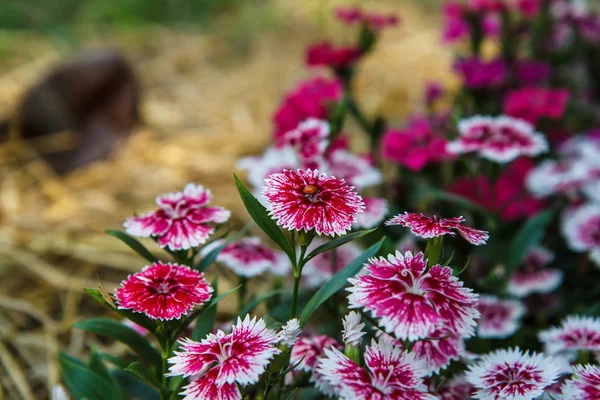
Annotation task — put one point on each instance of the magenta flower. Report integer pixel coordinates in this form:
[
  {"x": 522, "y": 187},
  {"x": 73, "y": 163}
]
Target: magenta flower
[
  {"x": 311, "y": 348},
  {"x": 581, "y": 228},
  {"x": 433, "y": 91},
  {"x": 529, "y": 8},
  {"x": 374, "y": 20},
  {"x": 322, "y": 268},
  {"x": 499, "y": 318},
  {"x": 307, "y": 200},
  {"x": 349, "y": 15},
  {"x": 456, "y": 26},
  {"x": 438, "y": 350},
  {"x": 390, "y": 374},
  {"x": 163, "y": 291},
  {"x": 500, "y": 139},
  {"x": 357, "y": 170},
  {"x": 531, "y": 104},
  {"x": 416, "y": 146},
  {"x": 507, "y": 196},
  {"x": 533, "y": 276},
  {"x": 412, "y": 301},
  {"x": 456, "y": 389},
  {"x": 511, "y": 375},
  {"x": 574, "y": 334},
  {"x": 183, "y": 220},
  {"x": 376, "y": 209},
  {"x": 584, "y": 385},
  {"x": 532, "y": 72},
  {"x": 326, "y": 54},
  {"x": 309, "y": 100},
  {"x": 220, "y": 362},
  {"x": 477, "y": 73},
  {"x": 249, "y": 257},
  {"x": 430, "y": 227},
  {"x": 309, "y": 139}
]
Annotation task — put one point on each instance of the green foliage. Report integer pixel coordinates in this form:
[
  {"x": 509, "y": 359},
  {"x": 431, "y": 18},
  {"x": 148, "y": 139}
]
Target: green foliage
[{"x": 83, "y": 383}]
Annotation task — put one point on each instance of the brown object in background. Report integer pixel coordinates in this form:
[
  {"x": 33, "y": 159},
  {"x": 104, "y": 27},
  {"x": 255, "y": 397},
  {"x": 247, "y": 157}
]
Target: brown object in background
[{"x": 80, "y": 111}]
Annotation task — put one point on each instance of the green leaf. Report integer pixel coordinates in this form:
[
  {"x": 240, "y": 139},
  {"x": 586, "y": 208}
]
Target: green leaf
[
  {"x": 121, "y": 333},
  {"x": 206, "y": 320},
  {"x": 84, "y": 383},
  {"x": 338, "y": 281},
  {"x": 133, "y": 244},
  {"x": 96, "y": 364},
  {"x": 251, "y": 305},
  {"x": 292, "y": 394},
  {"x": 338, "y": 242},
  {"x": 425, "y": 192},
  {"x": 272, "y": 323},
  {"x": 145, "y": 374},
  {"x": 527, "y": 238},
  {"x": 261, "y": 216},
  {"x": 114, "y": 360}
]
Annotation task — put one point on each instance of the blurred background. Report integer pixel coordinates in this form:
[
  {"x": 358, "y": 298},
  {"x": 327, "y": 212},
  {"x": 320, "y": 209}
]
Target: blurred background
[{"x": 105, "y": 105}]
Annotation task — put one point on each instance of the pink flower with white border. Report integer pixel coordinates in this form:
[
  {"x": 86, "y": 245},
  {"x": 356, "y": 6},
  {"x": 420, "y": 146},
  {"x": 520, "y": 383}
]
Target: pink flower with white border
[
  {"x": 510, "y": 374},
  {"x": 584, "y": 385},
  {"x": 533, "y": 276},
  {"x": 456, "y": 389},
  {"x": 309, "y": 348},
  {"x": 163, "y": 291},
  {"x": 574, "y": 334},
  {"x": 438, "y": 350},
  {"x": 183, "y": 220},
  {"x": 323, "y": 266},
  {"x": 307, "y": 200},
  {"x": 356, "y": 170},
  {"x": 499, "y": 318},
  {"x": 581, "y": 228},
  {"x": 221, "y": 362},
  {"x": 551, "y": 177},
  {"x": 500, "y": 139},
  {"x": 411, "y": 300},
  {"x": 249, "y": 257},
  {"x": 275, "y": 159},
  {"x": 430, "y": 227},
  {"x": 375, "y": 211},
  {"x": 309, "y": 139},
  {"x": 390, "y": 374}
]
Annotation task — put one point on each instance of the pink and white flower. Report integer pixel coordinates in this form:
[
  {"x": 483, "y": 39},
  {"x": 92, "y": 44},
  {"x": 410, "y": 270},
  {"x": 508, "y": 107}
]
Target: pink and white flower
[
  {"x": 323, "y": 266},
  {"x": 309, "y": 349},
  {"x": 511, "y": 375},
  {"x": 221, "y": 361},
  {"x": 438, "y": 350},
  {"x": 534, "y": 277},
  {"x": 307, "y": 200},
  {"x": 574, "y": 334},
  {"x": 552, "y": 177},
  {"x": 390, "y": 374},
  {"x": 500, "y": 139},
  {"x": 274, "y": 160},
  {"x": 163, "y": 291},
  {"x": 581, "y": 228},
  {"x": 584, "y": 385},
  {"x": 456, "y": 389},
  {"x": 354, "y": 169},
  {"x": 353, "y": 329},
  {"x": 430, "y": 227},
  {"x": 411, "y": 300},
  {"x": 499, "y": 318},
  {"x": 183, "y": 221},
  {"x": 249, "y": 257},
  {"x": 375, "y": 211},
  {"x": 309, "y": 139}
]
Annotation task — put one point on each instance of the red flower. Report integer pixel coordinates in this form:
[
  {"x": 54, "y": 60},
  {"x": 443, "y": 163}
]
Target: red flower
[
  {"x": 183, "y": 220},
  {"x": 307, "y": 200},
  {"x": 531, "y": 104},
  {"x": 430, "y": 227},
  {"x": 325, "y": 53},
  {"x": 164, "y": 291}
]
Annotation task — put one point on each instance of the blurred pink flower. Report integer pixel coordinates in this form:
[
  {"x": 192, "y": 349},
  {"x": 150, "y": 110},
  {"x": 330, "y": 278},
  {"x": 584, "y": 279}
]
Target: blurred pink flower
[
  {"x": 575, "y": 334},
  {"x": 531, "y": 104},
  {"x": 499, "y": 318},
  {"x": 376, "y": 209},
  {"x": 584, "y": 385},
  {"x": 477, "y": 73},
  {"x": 249, "y": 257},
  {"x": 309, "y": 139},
  {"x": 532, "y": 72},
  {"x": 455, "y": 24},
  {"x": 438, "y": 350},
  {"x": 325, "y": 53},
  {"x": 375, "y": 20},
  {"x": 456, "y": 389}
]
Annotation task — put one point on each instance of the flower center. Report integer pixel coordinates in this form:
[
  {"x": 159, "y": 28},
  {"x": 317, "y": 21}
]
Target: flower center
[
  {"x": 163, "y": 288},
  {"x": 309, "y": 189},
  {"x": 311, "y": 193}
]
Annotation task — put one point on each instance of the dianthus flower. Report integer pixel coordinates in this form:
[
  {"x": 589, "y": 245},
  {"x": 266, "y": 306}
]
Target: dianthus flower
[
  {"x": 430, "y": 227},
  {"x": 411, "y": 300},
  {"x": 249, "y": 257},
  {"x": 500, "y": 139},
  {"x": 456, "y": 26},
  {"x": 275, "y": 159},
  {"x": 584, "y": 385},
  {"x": 511, "y": 375},
  {"x": 456, "y": 389},
  {"x": 581, "y": 228},
  {"x": 390, "y": 374},
  {"x": 309, "y": 100},
  {"x": 307, "y": 200},
  {"x": 533, "y": 276},
  {"x": 323, "y": 266},
  {"x": 183, "y": 220},
  {"x": 574, "y": 334},
  {"x": 499, "y": 318},
  {"x": 220, "y": 362},
  {"x": 477, "y": 73},
  {"x": 552, "y": 177},
  {"x": 507, "y": 196},
  {"x": 438, "y": 350},
  {"x": 353, "y": 329},
  {"x": 309, "y": 349},
  {"x": 416, "y": 146},
  {"x": 325, "y": 53},
  {"x": 290, "y": 332},
  {"x": 376, "y": 209},
  {"x": 357, "y": 170},
  {"x": 532, "y": 72},
  {"x": 164, "y": 291},
  {"x": 309, "y": 139},
  {"x": 531, "y": 104},
  {"x": 374, "y": 20}
]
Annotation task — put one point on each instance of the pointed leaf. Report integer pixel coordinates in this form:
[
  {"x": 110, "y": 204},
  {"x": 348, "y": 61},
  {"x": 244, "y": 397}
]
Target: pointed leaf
[
  {"x": 142, "y": 372},
  {"x": 84, "y": 383},
  {"x": 260, "y": 215},
  {"x": 137, "y": 318},
  {"x": 338, "y": 281},
  {"x": 96, "y": 364},
  {"x": 206, "y": 321},
  {"x": 121, "y": 333},
  {"x": 133, "y": 244},
  {"x": 332, "y": 244},
  {"x": 114, "y": 360}
]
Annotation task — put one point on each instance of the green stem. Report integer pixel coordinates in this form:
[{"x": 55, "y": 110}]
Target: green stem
[
  {"x": 297, "y": 276},
  {"x": 242, "y": 293}
]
